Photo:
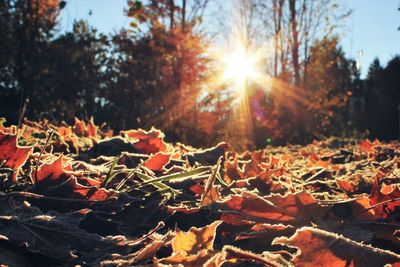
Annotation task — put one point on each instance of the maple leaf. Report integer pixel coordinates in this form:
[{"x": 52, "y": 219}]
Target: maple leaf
[
  {"x": 194, "y": 247},
  {"x": 260, "y": 236},
  {"x": 146, "y": 142},
  {"x": 85, "y": 130},
  {"x": 57, "y": 178},
  {"x": 54, "y": 172},
  {"x": 195, "y": 240},
  {"x": 367, "y": 146},
  {"x": 347, "y": 186},
  {"x": 386, "y": 199},
  {"x": 55, "y": 235},
  {"x": 298, "y": 208},
  {"x": 321, "y": 248},
  {"x": 196, "y": 260},
  {"x": 233, "y": 256},
  {"x": 11, "y": 154},
  {"x": 157, "y": 161}
]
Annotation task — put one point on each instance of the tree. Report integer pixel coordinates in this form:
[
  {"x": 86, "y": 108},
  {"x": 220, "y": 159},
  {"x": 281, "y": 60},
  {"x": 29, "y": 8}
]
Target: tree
[
  {"x": 292, "y": 26},
  {"x": 331, "y": 79},
  {"x": 74, "y": 75},
  {"x": 160, "y": 71},
  {"x": 26, "y": 27},
  {"x": 383, "y": 100}
]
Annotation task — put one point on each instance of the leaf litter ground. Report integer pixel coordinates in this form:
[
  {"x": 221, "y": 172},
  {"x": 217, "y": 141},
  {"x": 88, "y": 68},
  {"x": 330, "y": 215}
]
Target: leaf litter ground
[{"x": 77, "y": 195}]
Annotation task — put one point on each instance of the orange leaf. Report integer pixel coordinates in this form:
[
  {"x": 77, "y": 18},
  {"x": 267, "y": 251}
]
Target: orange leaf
[
  {"x": 196, "y": 239},
  {"x": 346, "y": 186},
  {"x": 79, "y": 127},
  {"x": 368, "y": 146},
  {"x": 57, "y": 178},
  {"x": 157, "y": 161},
  {"x": 188, "y": 260},
  {"x": 91, "y": 129}
]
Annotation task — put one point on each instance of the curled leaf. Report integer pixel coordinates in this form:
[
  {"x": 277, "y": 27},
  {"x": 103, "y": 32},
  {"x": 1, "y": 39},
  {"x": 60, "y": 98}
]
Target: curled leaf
[{"x": 321, "y": 248}]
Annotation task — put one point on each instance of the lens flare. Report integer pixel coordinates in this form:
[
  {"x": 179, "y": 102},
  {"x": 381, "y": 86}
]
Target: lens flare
[{"x": 239, "y": 67}]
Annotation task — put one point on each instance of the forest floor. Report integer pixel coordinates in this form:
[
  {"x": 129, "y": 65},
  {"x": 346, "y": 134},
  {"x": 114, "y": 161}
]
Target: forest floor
[{"x": 79, "y": 195}]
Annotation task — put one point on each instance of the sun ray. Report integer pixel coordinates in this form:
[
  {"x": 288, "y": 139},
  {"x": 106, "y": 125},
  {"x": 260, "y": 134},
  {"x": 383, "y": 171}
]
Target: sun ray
[{"x": 240, "y": 68}]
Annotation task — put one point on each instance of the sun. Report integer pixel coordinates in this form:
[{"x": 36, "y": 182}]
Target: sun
[
  {"x": 239, "y": 66},
  {"x": 240, "y": 71}
]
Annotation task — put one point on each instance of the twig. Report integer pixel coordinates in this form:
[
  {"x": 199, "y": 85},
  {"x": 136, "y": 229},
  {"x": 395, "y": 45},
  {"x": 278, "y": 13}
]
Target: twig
[
  {"x": 129, "y": 176},
  {"x": 210, "y": 180},
  {"x": 59, "y": 199},
  {"x": 386, "y": 169},
  {"x": 40, "y": 155},
  {"x": 377, "y": 205},
  {"x": 22, "y": 113},
  {"x": 137, "y": 241}
]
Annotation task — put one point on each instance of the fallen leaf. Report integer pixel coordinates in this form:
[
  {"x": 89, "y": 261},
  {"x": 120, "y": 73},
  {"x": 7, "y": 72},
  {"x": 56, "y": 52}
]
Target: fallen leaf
[
  {"x": 298, "y": 208},
  {"x": 55, "y": 234},
  {"x": 146, "y": 142},
  {"x": 321, "y": 248},
  {"x": 11, "y": 154},
  {"x": 195, "y": 240},
  {"x": 386, "y": 199},
  {"x": 157, "y": 161}
]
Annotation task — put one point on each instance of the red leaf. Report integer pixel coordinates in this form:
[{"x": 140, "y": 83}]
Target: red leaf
[
  {"x": 12, "y": 155},
  {"x": 380, "y": 194},
  {"x": 157, "y": 161},
  {"x": 57, "y": 179},
  {"x": 146, "y": 142},
  {"x": 368, "y": 146},
  {"x": 293, "y": 208}
]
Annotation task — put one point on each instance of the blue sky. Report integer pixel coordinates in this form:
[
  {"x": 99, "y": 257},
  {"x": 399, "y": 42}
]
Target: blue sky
[{"x": 372, "y": 28}]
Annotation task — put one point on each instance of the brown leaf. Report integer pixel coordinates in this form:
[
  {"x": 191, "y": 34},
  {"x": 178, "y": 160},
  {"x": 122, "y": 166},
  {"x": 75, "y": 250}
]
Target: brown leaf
[
  {"x": 82, "y": 129},
  {"x": 321, "y": 248},
  {"x": 231, "y": 255},
  {"x": 56, "y": 235},
  {"x": 54, "y": 172},
  {"x": 196, "y": 239}
]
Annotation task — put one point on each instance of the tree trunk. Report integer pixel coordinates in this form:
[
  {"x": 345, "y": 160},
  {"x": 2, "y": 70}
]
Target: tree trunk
[
  {"x": 171, "y": 14},
  {"x": 295, "y": 41}
]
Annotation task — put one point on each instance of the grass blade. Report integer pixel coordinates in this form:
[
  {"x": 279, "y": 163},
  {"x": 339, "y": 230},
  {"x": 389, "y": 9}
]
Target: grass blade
[{"x": 177, "y": 176}]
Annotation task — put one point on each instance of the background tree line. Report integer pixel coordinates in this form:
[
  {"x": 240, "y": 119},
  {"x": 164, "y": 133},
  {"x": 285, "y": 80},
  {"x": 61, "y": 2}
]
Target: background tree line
[{"x": 156, "y": 72}]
